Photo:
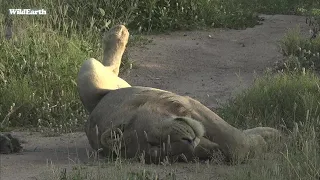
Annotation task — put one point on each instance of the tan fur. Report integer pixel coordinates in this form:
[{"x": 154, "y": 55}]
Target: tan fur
[
  {"x": 269, "y": 135},
  {"x": 114, "y": 44},
  {"x": 265, "y": 132},
  {"x": 95, "y": 78},
  {"x": 142, "y": 119},
  {"x": 128, "y": 101},
  {"x": 142, "y": 131}
]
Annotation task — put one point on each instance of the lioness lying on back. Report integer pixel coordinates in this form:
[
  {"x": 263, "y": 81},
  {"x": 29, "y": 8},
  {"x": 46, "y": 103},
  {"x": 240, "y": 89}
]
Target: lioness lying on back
[{"x": 142, "y": 120}]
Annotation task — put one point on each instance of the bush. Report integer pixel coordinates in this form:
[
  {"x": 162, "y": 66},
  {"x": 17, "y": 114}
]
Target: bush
[
  {"x": 150, "y": 15},
  {"x": 38, "y": 84},
  {"x": 302, "y": 52},
  {"x": 288, "y": 101},
  {"x": 285, "y": 6},
  {"x": 296, "y": 159},
  {"x": 276, "y": 101}
]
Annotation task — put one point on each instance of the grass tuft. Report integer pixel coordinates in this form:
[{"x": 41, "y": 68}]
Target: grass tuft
[{"x": 275, "y": 100}]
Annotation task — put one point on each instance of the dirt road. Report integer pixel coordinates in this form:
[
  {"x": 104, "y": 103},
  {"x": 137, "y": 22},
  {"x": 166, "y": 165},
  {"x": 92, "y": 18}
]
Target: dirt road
[
  {"x": 208, "y": 65},
  {"x": 211, "y": 65}
]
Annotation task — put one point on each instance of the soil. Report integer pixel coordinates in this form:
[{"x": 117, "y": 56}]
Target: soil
[{"x": 211, "y": 66}]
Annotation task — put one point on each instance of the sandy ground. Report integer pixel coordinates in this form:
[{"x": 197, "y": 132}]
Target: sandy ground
[{"x": 210, "y": 66}]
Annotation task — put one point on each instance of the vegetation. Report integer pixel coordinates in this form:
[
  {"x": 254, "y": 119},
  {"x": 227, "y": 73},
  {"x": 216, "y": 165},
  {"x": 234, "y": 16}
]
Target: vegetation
[
  {"x": 275, "y": 100},
  {"x": 288, "y": 100},
  {"x": 285, "y": 6},
  {"x": 40, "y": 60}
]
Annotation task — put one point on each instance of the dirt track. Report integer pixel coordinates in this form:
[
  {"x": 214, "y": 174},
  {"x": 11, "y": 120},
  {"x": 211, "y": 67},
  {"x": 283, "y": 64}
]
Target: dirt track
[
  {"x": 207, "y": 65},
  {"x": 211, "y": 69}
]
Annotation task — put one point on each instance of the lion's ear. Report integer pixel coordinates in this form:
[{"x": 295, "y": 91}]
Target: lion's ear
[
  {"x": 197, "y": 126},
  {"x": 111, "y": 136}
]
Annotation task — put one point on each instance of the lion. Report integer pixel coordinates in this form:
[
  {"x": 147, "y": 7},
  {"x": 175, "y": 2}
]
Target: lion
[
  {"x": 126, "y": 107},
  {"x": 133, "y": 120},
  {"x": 134, "y": 133}
]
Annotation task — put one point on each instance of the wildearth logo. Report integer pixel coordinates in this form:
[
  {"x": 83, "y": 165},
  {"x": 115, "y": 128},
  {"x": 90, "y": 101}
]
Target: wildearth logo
[{"x": 27, "y": 12}]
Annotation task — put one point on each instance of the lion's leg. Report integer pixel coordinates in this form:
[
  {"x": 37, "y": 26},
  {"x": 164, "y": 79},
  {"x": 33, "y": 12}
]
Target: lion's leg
[
  {"x": 114, "y": 45},
  {"x": 94, "y": 81},
  {"x": 237, "y": 145},
  {"x": 233, "y": 142},
  {"x": 268, "y": 134}
]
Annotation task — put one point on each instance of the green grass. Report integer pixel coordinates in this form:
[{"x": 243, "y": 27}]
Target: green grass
[
  {"x": 39, "y": 70},
  {"x": 285, "y": 6},
  {"x": 275, "y": 100},
  {"x": 300, "y": 51},
  {"x": 298, "y": 157},
  {"x": 288, "y": 100},
  {"x": 111, "y": 171}
]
